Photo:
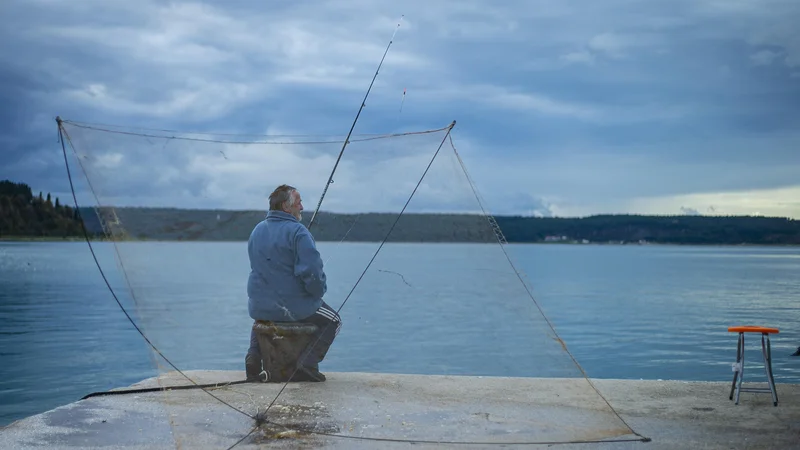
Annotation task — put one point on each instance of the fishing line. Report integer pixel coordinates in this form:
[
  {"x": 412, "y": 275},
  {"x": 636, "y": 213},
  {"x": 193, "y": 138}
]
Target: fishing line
[
  {"x": 261, "y": 417},
  {"x": 383, "y": 241},
  {"x": 358, "y": 114},
  {"x": 207, "y": 133},
  {"x": 347, "y": 141},
  {"x": 61, "y": 134},
  {"x": 373, "y": 137},
  {"x": 501, "y": 239}
]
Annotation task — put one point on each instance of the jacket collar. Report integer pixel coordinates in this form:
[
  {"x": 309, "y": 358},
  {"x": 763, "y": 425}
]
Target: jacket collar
[{"x": 280, "y": 215}]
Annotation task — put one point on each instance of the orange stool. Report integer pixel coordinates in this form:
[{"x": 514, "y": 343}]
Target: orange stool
[{"x": 738, "y": 367}]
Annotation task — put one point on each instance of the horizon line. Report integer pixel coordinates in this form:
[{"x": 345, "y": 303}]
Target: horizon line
[{"x": 453, "y": 213}]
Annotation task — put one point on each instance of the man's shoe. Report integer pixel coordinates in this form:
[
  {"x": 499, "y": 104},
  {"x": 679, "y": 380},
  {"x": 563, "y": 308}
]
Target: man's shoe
[
  {"x": 308, "y": 374},
  {"x": 252, "y": 368}
]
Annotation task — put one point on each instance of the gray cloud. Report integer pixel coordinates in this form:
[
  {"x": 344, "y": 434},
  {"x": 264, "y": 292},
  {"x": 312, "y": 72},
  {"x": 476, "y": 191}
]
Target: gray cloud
[{"x": 588, "y": 103}]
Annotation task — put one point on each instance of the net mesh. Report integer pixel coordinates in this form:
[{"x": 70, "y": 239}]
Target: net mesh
[{"x": 424, "y": 286}]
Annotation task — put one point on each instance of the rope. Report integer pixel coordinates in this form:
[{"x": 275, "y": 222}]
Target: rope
[
  {"x": 252, "y": 430},
  {"x": 61, "y": 133},
  {"x": 501, "y": 240},
  {"x": 352, "y": 127},
  {"x": 206, "y": 133},
  {"x": 163, "y": 388},
  {"x": 262, "y": 418},
  {"x": 222, "y": 141},
  {"x": 449, "y": 128}
]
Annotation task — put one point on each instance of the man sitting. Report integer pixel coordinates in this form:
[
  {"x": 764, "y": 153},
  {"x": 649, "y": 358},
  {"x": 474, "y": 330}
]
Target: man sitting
[{"x": 287, "y": 283}]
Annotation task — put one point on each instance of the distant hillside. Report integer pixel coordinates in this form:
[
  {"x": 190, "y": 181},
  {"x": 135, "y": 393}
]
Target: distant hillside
[
  {"x": 225, "y": 225},
  {"x": 24, "y": 215},
  {"x": 730, "y": 230}
]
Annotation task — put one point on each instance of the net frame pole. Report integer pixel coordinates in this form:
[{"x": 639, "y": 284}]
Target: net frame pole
[{"x": 352, "y": 127}]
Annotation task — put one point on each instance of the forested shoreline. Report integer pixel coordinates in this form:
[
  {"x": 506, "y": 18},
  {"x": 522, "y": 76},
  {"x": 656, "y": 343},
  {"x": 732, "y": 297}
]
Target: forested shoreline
[
  {"x": 22, "y": 214},
  {"x": 26, "y": 216}
]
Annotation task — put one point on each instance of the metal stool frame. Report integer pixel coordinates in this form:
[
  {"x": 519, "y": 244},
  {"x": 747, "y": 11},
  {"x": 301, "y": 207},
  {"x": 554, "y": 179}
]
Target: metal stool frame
[{"x": 738, "y": 367}]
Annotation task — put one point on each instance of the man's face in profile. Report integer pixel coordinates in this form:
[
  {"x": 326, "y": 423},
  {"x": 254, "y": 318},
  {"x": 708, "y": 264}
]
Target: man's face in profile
[{"x": 297, "y": 208}]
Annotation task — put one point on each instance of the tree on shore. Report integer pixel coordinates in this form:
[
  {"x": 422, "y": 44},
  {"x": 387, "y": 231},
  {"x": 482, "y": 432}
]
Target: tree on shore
[{"x": 22, "y": 214}]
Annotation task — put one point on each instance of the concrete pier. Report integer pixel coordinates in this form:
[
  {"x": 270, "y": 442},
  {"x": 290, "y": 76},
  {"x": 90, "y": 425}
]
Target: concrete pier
[{"x": 362, "y": 410}]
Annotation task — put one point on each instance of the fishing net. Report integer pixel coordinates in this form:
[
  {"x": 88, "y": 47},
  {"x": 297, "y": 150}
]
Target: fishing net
[{"x": 420, "y": 273}]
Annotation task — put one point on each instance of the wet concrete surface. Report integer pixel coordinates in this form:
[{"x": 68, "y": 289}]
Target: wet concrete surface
[{"x": 361, "y": 410}]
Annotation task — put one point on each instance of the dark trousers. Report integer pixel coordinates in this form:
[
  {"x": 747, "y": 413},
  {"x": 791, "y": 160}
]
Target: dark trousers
[{"x": 328, "y": 323}]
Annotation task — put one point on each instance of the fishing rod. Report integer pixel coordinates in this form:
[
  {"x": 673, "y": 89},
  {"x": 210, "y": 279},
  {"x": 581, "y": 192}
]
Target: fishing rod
[{"x": 352, "y": 127}]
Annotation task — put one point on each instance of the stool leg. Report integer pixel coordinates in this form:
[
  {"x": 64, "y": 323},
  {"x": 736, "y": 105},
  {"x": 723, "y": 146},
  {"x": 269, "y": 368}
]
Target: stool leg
[
  {"x": 767, "y": 352},
  {"x": 738, "y": 361},
  {"x": 740, "y": 357}
]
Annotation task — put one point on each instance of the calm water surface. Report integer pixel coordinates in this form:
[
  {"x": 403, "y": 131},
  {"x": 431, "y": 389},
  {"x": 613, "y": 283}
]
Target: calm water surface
[{"x": 651, "y": 312}]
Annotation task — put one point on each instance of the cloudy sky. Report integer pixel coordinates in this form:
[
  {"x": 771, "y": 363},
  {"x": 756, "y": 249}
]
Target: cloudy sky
[{"x": 562, "y": 108}]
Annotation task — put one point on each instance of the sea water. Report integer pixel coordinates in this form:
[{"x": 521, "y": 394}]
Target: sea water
[{"x": 631, "y": 312}]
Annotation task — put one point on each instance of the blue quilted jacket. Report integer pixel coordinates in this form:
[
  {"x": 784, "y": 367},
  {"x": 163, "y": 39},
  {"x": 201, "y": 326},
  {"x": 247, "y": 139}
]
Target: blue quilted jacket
[{"x": 287, "y": 280}]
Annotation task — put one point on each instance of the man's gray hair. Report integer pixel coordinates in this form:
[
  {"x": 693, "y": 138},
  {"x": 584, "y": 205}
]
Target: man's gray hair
[{"x": 282, "y": 195}]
